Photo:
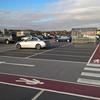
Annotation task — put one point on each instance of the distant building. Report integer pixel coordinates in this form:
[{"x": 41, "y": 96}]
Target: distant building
[{"x": 83, "y": 35}]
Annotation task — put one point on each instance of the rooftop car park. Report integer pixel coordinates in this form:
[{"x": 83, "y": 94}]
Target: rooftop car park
[
  {"x": 64, "y": 70},
  {"x": 49, "y": 50},
  {"x": 69, "y": 61}
]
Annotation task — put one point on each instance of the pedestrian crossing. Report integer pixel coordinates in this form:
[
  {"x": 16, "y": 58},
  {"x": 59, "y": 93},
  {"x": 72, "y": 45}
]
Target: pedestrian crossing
[
  {"x": 92, "y": 69},
  {"x": 90, "y": 76},
  {"x": 89, "y": 81}
]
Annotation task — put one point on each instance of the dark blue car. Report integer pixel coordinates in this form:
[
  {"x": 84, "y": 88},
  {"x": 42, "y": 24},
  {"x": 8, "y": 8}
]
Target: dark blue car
[{"x": 63, "y": 38}]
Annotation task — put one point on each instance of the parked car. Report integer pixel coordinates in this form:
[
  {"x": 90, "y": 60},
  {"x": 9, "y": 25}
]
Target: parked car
[
  {"x": 26, "y": 37},
  {"x": 63, "y": 38},
  {"x": 6, "y": 38},
  {"x": 35, "y": 42}
]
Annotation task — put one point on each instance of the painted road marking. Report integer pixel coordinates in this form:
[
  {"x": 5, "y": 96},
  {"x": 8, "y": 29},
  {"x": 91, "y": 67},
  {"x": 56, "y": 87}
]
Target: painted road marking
[
  {"x": 95, "y": 58},
  {"x": 51, "y": 85},
  {"x": 66, "y": 55},
  {"x": 39, "y": 53},
  {"x": 69, "y": 51},
  {"x": 30, "y": 82},
  {"x": 92, "y": 69},
  {"x": 96, "y": 61},
  {"x": 89, "y": 81},
  {"x": 78, "y": 95},
  {"x": 37, "y": 77},
  {"x": 90, "y": 74},
  {"x": 94, "y": 65},
  {"x": 37, "y": 95},
  {"x": 18, "y": 64},
  {"x": 50, "y": 60},
  {"x": 42, "y": 52},
  {"x": 1, "y": 62}
]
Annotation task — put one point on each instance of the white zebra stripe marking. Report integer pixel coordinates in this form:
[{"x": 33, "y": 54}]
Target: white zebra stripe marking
[
  {"x": 18, "y": 64},
  {"x": 92, "y": 69},
  {"x": 88, "y": 81},
  {"x": 90, "y": 74}
]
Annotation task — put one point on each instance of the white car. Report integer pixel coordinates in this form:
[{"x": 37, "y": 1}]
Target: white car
[
  {"x": 26, "y": 37},
  {"x": 35, "y": 42}
]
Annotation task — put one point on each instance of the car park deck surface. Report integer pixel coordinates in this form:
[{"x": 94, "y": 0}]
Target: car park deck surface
[{"x": 64, "y": 63}]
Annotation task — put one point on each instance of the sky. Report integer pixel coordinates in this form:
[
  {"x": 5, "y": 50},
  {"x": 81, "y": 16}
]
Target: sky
[{"x": 47, "y": 15}]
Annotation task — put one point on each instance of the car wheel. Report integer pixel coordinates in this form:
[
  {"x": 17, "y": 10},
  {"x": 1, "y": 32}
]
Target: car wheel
[
  {"x": 18, "y": 46},
  {"x": 7, "y": 41},
  {"x": 68, "y": 40},
  {"x": 38, "y": 46},
  {"x": 57, "y": 40}
]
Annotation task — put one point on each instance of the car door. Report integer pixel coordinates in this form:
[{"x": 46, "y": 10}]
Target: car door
[
  {"x": 24, "y": 44},
  {"x": 31, "y": 43}
]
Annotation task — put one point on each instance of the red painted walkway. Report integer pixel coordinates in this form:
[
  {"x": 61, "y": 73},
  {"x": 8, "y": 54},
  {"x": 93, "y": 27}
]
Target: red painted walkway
[
  {"x": 95, "y": 58},
  {"x": 32, "y": 82}
]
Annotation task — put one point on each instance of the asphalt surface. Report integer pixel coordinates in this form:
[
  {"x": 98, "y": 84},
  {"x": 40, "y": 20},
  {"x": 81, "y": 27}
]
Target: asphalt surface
[
  {"x": 42, "y": 68},
  {"x": 20, "y": 93},
  {"x": 64, "y": 62},
  {"x": 16, "y": 93},
  {"x": 66, "y": 52}
]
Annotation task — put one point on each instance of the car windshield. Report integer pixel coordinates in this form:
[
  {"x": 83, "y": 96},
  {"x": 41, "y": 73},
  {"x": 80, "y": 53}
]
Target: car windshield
[
  {"x": 39, "y": 37},
  {"x": 35, "y": 39}
]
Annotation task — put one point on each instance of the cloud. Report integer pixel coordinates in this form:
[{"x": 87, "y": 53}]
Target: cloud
[
  {"x": 58, "y": 15},
  {"x": 77, "y": 12}
]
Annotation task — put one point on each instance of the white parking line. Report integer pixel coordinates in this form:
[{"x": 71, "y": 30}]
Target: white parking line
[
  {"x": 70, "y": 51},
  {"x": 88, "y": 81},
  {"x": 37, "y": 59},
  {"x": 1, "y": 62},
  {"x": 88, "y": 63},
  {"x": 90, "y": 74},
  {"x": 39, "y": 53},
  {"x": 18, "y": 64},
  {"x": 67, "y": 55},
  {"x": 37, "y": 95},
  {"x": 43, "y": 52},
  {"x": 92, "y": 69}
]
